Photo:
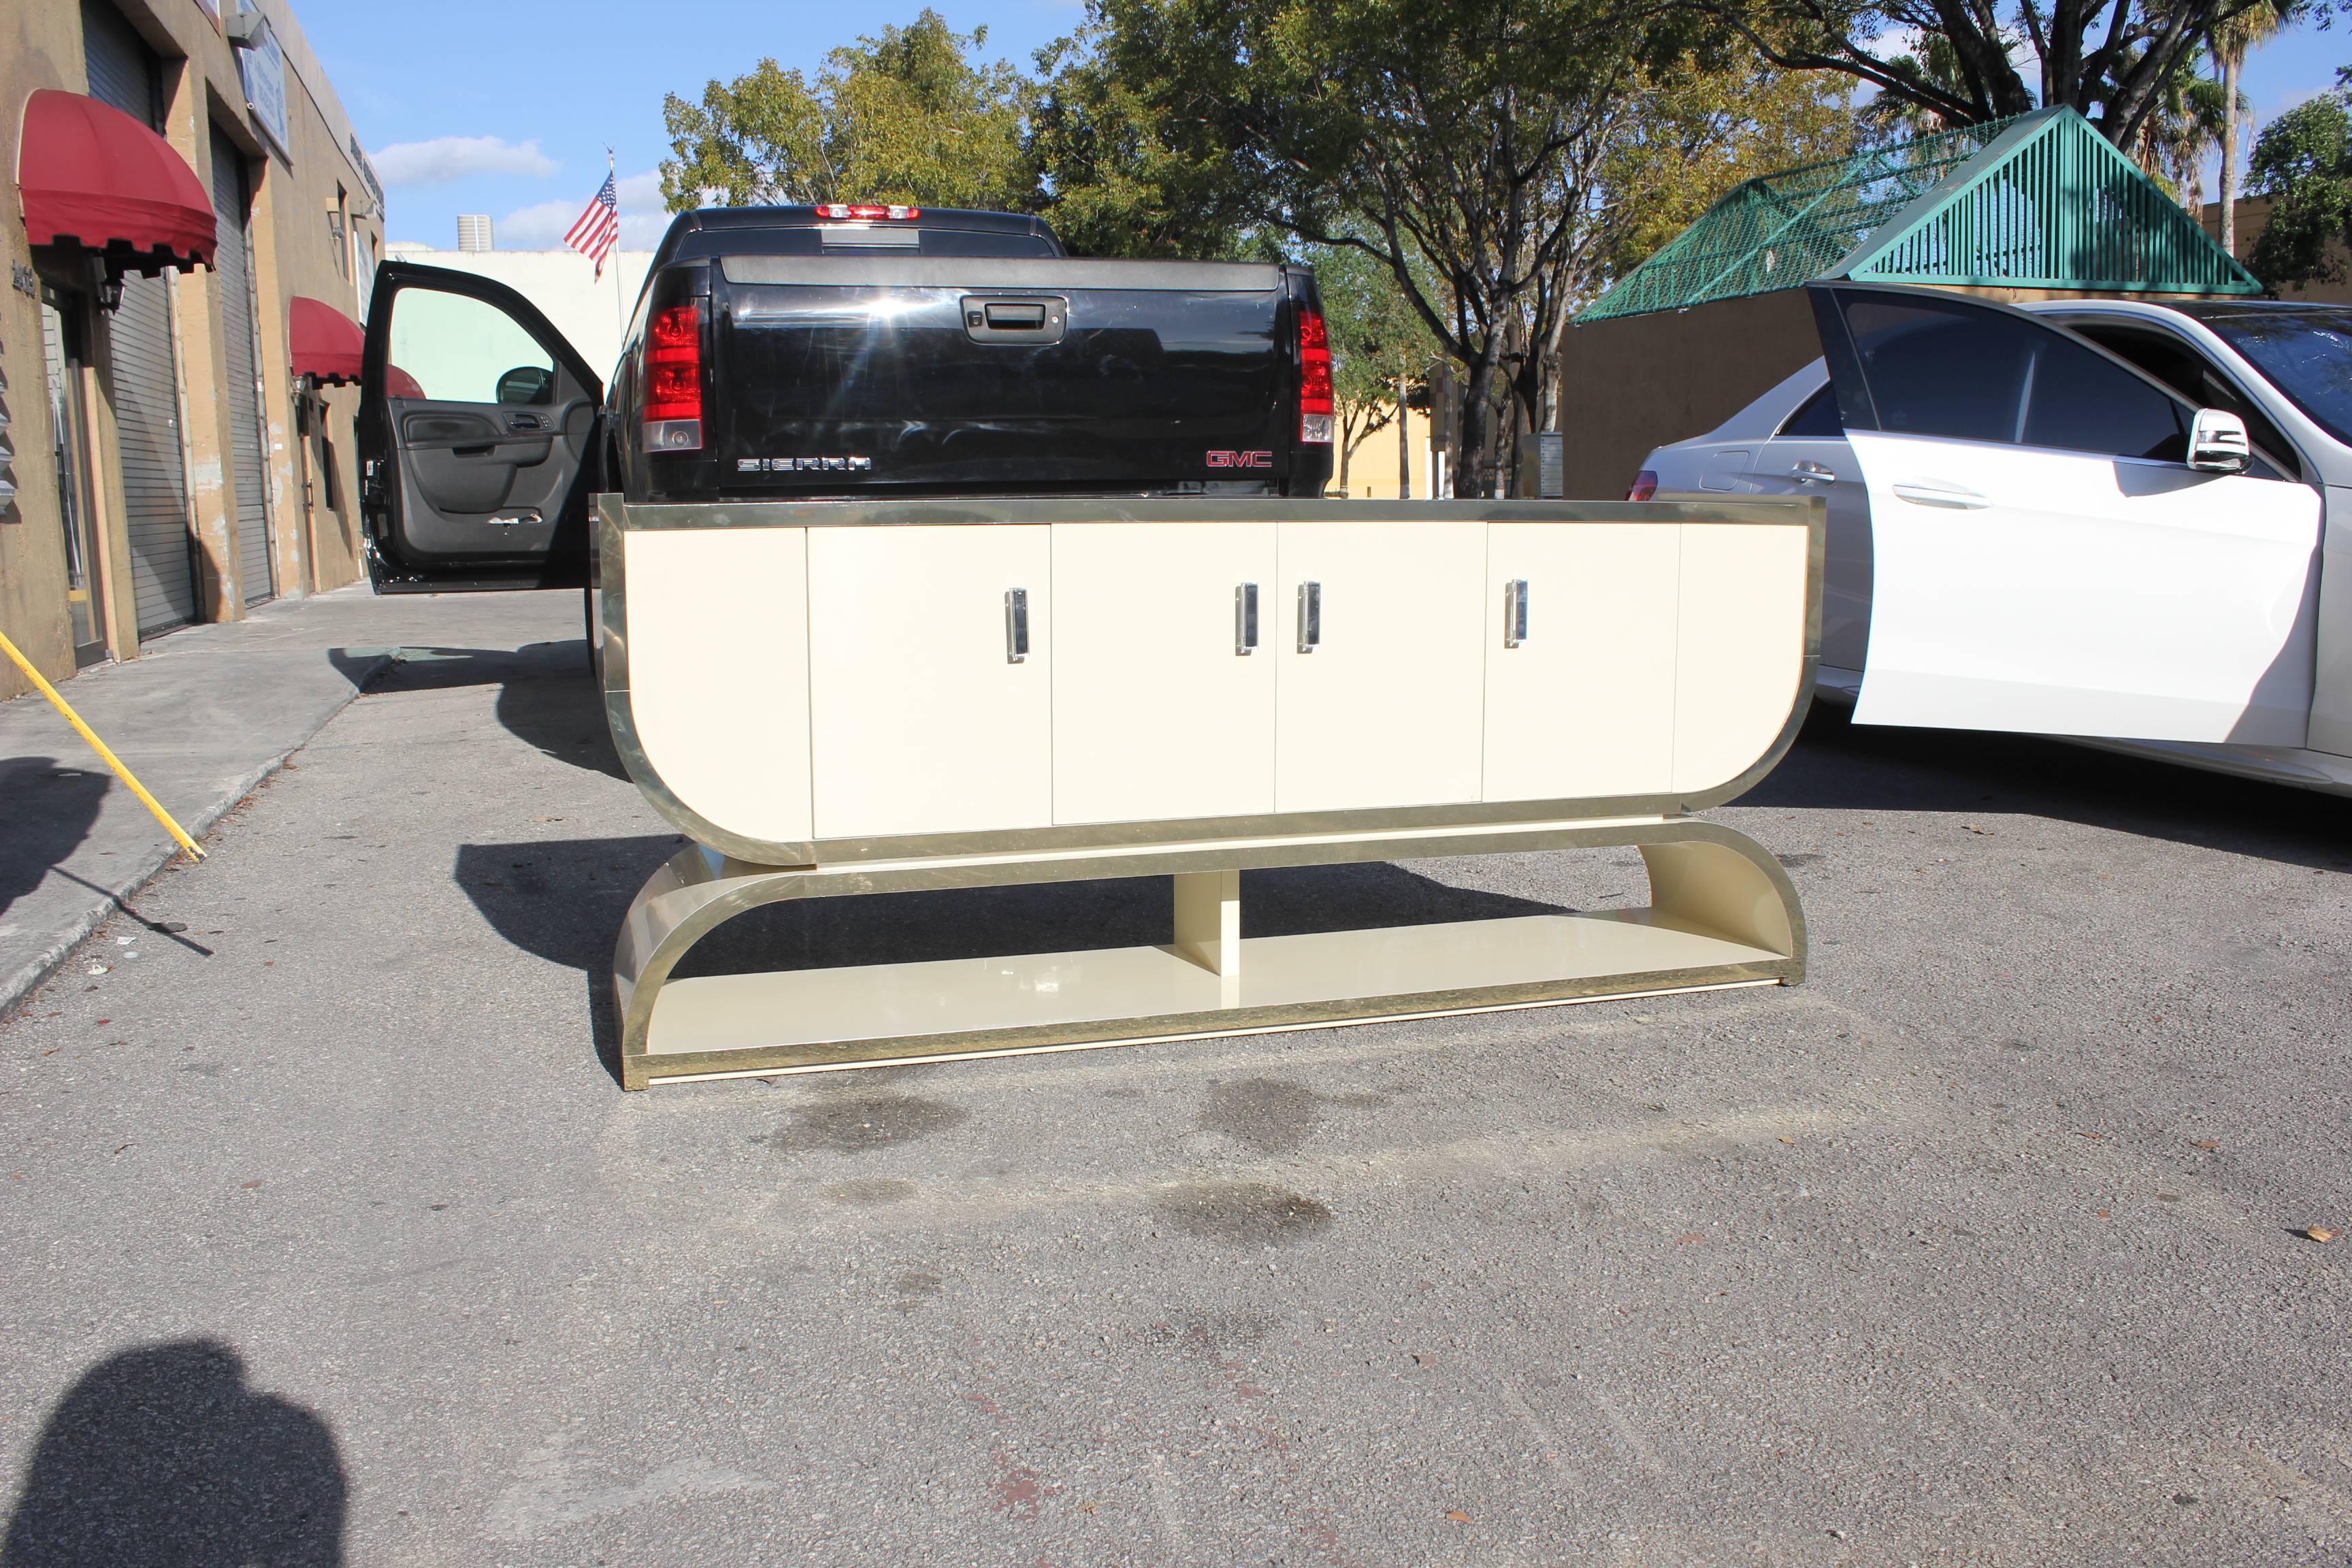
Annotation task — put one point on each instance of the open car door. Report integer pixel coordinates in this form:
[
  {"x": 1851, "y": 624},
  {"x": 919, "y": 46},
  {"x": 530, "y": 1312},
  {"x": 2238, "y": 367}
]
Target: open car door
[
  {"x": 2044, "y": 558},
  {"x": 479, "y": 431}
]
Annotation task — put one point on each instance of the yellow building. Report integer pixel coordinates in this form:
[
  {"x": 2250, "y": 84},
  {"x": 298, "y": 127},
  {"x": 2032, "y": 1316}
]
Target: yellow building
[
  {"x": 190, "y": 226},
  {"x": 1372, "y": 458}
]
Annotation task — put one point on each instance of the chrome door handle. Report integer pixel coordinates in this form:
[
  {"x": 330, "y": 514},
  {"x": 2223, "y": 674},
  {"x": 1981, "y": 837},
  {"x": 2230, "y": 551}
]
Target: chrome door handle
[
  {"x": 1515, "y": 611},
  {"x": 1245, "y": 619},
  {"x": 1016, "y": 624},
  {"x": 1813, "y": 474},
  {"x": 1951, "y": 496},
  {"x": 1310, "y": 616}
]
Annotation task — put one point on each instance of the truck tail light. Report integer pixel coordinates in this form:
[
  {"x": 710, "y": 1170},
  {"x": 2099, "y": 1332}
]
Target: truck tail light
[
  {"x": 1645, "y": 485},
  {"x": 673, "y": 380},
  {"x": 1316, "y": 407},
  {"x": 867, "y": 212}
]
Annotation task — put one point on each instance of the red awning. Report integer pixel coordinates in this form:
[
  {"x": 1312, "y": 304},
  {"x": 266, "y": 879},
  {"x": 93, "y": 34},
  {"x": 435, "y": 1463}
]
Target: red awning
[
  {"x": 326, "y": 343},
  {"x": 91, "y": 175}
]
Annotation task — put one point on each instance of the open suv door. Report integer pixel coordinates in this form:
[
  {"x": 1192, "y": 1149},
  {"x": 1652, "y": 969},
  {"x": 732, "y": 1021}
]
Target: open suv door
[{"x": 479, "y": 434}]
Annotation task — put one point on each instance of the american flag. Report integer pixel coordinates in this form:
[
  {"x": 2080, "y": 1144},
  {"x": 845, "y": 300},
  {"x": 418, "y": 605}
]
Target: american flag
[{"x": 598, "y": 227}]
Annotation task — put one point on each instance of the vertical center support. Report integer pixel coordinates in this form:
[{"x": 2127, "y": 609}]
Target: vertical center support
[{"x": 1208, "y": 925}]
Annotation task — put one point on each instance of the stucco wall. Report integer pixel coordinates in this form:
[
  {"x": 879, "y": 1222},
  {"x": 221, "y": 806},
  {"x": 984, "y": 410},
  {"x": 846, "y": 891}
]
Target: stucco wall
[
  {"x": 2253, "y": 215},
  {"x": 1635, "y": 383}
]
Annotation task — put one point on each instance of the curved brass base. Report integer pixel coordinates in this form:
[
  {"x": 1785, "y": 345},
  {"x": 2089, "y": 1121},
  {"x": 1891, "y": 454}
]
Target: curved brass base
[{"x": 1722, "y": 913}]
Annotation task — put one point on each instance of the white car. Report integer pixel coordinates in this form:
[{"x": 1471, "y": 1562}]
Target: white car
[{"x": 2115, "y": 521}]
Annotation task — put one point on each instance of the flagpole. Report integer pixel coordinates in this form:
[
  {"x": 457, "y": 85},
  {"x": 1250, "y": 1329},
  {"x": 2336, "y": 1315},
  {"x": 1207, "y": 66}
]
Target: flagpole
[{"x": 620, "y": 303}]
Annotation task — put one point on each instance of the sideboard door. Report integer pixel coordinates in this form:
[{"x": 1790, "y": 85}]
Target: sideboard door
[
  {"x": 1163, "y": 679},
  {"x": 1379, "y": 698},
  {"x": 925, "y": 715},
  {"x": 1580, "y": 627}
]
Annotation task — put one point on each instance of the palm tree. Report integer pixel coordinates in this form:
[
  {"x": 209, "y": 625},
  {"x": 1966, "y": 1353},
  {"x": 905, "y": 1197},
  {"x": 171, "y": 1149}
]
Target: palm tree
[
  {"x": 2231, "y": 42},
  {"x": 2174, "y": 141}
]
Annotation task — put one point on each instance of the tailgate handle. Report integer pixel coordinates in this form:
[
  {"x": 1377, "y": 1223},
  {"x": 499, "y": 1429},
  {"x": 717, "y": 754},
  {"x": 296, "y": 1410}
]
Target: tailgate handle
[{"x": 1029, "y": 321}]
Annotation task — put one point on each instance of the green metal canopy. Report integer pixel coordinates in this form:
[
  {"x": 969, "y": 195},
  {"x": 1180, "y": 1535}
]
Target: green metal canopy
[{"x": 2040, "y": 201}]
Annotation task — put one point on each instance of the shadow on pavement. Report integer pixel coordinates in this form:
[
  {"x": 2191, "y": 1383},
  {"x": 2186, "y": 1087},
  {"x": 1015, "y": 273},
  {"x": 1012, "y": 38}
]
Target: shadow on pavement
[
  {"x": 546, "y": 697},
  {"x": 1838, "y": 764},
  {"x": 49, "y": 811},
  {"x": 563, "y": 900},
  {"x": 164, "y": 1458}
]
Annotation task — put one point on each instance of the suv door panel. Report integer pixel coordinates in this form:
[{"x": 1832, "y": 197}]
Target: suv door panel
[{"x": 478, "y": 428}]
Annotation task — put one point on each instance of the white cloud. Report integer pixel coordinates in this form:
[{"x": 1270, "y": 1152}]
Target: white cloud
[
  {"x": 448, "y": 158},
  {"x": 542, "y": 224},
  {"x": 539, "y": 226}
]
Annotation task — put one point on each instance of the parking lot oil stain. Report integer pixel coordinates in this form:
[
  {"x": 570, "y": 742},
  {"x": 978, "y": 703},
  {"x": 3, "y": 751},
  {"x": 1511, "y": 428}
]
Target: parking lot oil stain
[
  {"x": 871, "y": 1121},
  {"x": 1271, "y": 1115},
  {"x": 868, "y": 1192},
  {"x": 1242, "y": 1213}
]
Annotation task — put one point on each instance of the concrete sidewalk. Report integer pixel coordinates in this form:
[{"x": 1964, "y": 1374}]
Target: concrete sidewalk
[{"x": 203, "y": 718}]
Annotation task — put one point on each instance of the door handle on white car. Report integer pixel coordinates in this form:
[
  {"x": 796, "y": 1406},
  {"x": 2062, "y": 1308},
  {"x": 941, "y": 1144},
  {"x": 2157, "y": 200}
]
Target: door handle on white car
[
  {"x": 1942, "y": 495},
  {"x": 1813, "y": 474}
]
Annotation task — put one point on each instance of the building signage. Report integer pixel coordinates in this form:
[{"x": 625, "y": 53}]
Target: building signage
[{"x": 261, "y": 65}]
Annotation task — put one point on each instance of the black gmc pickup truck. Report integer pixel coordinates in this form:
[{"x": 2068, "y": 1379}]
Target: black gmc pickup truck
[{"x": 827, "y": 353}]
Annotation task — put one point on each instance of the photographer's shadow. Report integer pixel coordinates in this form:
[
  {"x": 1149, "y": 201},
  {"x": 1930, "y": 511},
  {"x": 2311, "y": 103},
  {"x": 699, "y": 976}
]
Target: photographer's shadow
[{"x": 164, "y": 1458}]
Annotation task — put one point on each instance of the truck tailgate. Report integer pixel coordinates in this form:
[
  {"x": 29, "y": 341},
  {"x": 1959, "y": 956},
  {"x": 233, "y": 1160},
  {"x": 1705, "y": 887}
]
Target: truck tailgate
[{"x": 1017, "y": 375}]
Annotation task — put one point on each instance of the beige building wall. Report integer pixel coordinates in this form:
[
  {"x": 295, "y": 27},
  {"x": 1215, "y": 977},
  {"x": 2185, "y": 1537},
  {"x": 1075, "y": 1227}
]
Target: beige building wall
[
  {"x": 300, "y": 193},
  {"x": 1372, "y": 458}
]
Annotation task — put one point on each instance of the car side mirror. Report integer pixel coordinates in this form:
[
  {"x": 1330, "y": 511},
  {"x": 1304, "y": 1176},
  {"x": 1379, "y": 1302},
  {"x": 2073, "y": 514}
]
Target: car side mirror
[
  {"x": 529, "y": 383},
  {"x": 2218, "y": 443}
]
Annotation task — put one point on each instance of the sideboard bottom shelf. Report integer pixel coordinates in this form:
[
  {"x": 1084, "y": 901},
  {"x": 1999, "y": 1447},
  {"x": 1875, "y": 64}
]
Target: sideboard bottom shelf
[{"x": 1723, "y": 914}]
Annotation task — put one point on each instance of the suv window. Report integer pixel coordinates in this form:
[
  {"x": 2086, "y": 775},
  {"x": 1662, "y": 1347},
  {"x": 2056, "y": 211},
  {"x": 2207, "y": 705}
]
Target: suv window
[
  {"x": 1968, "y": 374},
  {"x": 453, "y": 348},
  {"x": 2188, "y": 373}
]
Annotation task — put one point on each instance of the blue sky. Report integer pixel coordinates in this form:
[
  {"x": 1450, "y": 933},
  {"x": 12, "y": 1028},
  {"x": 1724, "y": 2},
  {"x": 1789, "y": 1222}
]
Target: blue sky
[
  {"x": 507, "y": 110},
  {"x": 470, "y": 106}
]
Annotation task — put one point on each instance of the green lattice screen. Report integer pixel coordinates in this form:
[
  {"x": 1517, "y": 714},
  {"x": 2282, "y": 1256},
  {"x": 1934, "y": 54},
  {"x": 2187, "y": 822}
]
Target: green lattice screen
[{"x": 2040, "y": 201}]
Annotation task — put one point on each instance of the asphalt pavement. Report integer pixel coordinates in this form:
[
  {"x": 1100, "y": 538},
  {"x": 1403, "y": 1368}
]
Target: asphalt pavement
[{"x": 330, "y": 1239}]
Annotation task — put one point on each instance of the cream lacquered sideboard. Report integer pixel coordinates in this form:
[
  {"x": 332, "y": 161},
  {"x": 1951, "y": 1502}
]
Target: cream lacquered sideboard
[{"x": 836, "y": 700}]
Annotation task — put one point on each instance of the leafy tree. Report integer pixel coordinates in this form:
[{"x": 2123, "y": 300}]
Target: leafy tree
[
  {"x": 1379, "y": 348},
  {"x": 1963, "y": 62},
  {"x": 910, "y": 116},
  {"x": 1116, "y": 183},
  {"x": 2303, "y": 161},
  {"x": 2231, "y": 42},
  {"x": 1492, "y": 155}
]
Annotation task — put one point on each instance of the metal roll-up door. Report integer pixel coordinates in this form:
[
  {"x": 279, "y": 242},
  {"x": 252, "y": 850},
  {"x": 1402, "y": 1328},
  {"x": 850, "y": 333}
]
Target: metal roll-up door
[
  {"x": 143, "y": 379},
  {"x": 234, "y": 260}
]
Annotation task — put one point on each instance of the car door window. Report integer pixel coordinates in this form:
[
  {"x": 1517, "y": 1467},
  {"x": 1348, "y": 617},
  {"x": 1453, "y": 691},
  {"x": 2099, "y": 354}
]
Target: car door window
[
  {"x": 1968, "y": 372},
  {"x": 1939, "y": 369},
  {"x": 2077, "y": 401},
  {"x": 453, "y": 348},
  {"x": 2198, "y": 379}
]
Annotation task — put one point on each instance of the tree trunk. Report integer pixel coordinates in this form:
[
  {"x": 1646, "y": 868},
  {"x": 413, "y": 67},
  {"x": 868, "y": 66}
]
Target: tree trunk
[
  {"x": 1404, "y": 444},
  {"x": 2231, "y": 60},
  {"x": 1473, "y": 469}
]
